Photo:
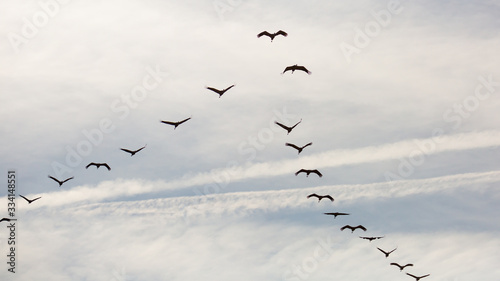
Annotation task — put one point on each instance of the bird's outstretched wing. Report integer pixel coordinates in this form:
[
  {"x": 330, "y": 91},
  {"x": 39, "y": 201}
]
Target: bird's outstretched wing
[
  {"x": 307, "y": 145},
  {"x": 303, "y": 68},
  {"x": 67, "y": 179},
  {"x": 301, "y": 171},
  {"x": 329, "y": 197},
  {"x": 129, "y": 151},
  {"x": 296, "y": 124},
  {"x": 412, "y": 275},
  {"x": 214, "y": 90},
  {"x": 169, "y": 122},
  {"x": 313, "y": 195},
  {"x": 288, "y": 68},
  {"x": 345, "y": 227},
  {"x": 292, "y": 145},
  {"x": 226, "y": 89},
  {"x": 361, "y": 227},
  {"x": 263, "y": 33},
  {"x": 281, "y": 125},
  {"x": 140, "y": 148},
  {"x": 91, "y": 164},
  {"x": 5, "y": 219},
  {"x": 180, "y": 122},
  {"x": 318, "y": 173},
  {"x": 51, "y": 177},
  {"x": 281, "y": 32},
  {"x": 107, "y": 166}
]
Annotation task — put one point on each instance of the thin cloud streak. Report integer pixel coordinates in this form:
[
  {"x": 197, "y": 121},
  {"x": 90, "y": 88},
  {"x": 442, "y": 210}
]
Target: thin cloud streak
[{"x": 334, "y": 158}]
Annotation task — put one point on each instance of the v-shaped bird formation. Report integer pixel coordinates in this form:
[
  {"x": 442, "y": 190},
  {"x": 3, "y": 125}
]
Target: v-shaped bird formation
[{"x": 288, "y": 128}]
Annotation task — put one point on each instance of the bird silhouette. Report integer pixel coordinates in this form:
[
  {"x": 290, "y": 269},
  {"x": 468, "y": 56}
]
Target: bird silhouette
[
  {"x": 7, "y": 219},
  {"x": 386, "y": 253},
  {"x": 29, "y": 201},
  {"x": 308, "y": 172},
  {"x": 299, "y": 149},
  {"x": 272, "y": 35},
  {"x": 98, "y": 165},
  {"x": 417, "y": 277},
  {"x": 175, "y": 124},
  {"x": 58, "y": 181},
  {"x": 401, "y": 267},
  {"x": 371, "y": 238},
  {"x": 133, "y": 152},
  {"x": 296, "y": 67},
  {"x": 336, "y": 214},
  {"x": 220, "y": 92},
  {"x": 352, "y": 228},
  {"x": 288, "y": 129},
  {"x": 320, "y": 196}
]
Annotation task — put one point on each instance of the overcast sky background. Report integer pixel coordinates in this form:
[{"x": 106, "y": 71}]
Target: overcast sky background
[{"x": 404, "y": 129}]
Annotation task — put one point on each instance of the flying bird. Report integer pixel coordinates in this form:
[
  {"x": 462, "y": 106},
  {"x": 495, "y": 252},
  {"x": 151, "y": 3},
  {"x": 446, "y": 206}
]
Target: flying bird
[
  {"x": 133, "y": 152},
  {"x": 401, "y": 267},
  {"x": 7, "y": 219},
  {"x": 299, "y": 149},
  {"x": 98, "y": 165},
  {"x": 288, "y": 129},
  {"x": 320, "y": 196},
  {"x": 386, "y": 253},
  {"x": 308, "y": 172},
  {"x": 296, "y": 67},
  {"x": 58, "y": 181},
  {"x": 220, "y": 92},
  {"x": 336, "y": 214},
  {"x": 417, "y": 277},
  {"x": 272, "y": 35},
  {"x": 29, "y": 201},
  {"x": 371, "y": 238},
  {"x": 352, "y": 228},
  {"x": 175, "y": 124}
]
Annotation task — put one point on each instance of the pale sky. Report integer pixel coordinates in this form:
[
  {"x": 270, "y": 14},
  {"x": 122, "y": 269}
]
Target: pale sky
[{"x": 401, "y": 107}]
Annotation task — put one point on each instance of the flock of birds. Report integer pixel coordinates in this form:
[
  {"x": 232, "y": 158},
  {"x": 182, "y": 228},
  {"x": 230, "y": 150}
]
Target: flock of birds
[
  {"x": 315, "y": 171},
  {"x": 299, "y": 149},
  {"x": 369, "y": 238}
]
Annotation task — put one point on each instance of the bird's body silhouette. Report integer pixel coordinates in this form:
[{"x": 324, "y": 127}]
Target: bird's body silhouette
[
  {"x": 288, "y": 129},
  {"x": 98, "y": 165},
  {"x": 220, "y": 92},
  {"x": 417, "y": 277},
  {"x": 309, "y": 172},
  {"x": 29, "y": 201},
  {"x": 272, "y": 35},
  {"x": 387, "y": 253},
  {"x": 58, "y": 181},
  {"x": 175, "y": 124},
  {"x": 320, "y": 196},
  {"x": 371, "y": 238},
  {"x": 296, "y": 67},
  {"x": 133, "y": 152},
  {"x": 336, "y": 214},
  {"x": 299, "y": 149},
  {"x": 352, "y": 228},
  {"x": 7, "y": 219},
  {"x": 401, "y": 267}
]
